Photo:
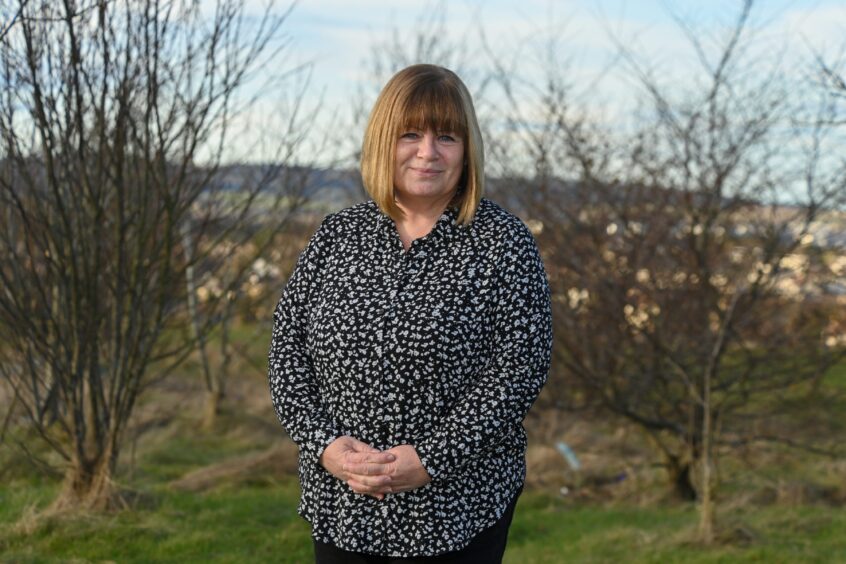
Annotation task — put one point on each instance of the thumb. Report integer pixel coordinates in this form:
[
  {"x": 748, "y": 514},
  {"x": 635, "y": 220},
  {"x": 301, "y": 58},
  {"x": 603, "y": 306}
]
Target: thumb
[{"x": 363, "y": 447}]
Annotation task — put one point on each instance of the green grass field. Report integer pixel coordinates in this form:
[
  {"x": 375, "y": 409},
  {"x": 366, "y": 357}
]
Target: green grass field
[
  {"x": 258, "y": 523},
  {"x": 251, "y": 516}
]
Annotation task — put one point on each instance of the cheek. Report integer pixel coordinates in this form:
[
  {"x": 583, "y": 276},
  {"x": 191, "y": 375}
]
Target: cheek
[
  {"x": 400, "y": 153},
  {"x": 459, "y": 163},
  {"x": 399, "y": 161},
  {"x": 459, "y": 159}
]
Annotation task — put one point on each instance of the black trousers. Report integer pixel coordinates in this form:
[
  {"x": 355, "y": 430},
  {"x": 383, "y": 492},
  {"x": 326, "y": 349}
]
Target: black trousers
[{"x": 486, "y": 548}]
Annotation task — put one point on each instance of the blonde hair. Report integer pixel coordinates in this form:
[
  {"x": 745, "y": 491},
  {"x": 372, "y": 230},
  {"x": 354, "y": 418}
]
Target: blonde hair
[{"x": 422, "y": 97}]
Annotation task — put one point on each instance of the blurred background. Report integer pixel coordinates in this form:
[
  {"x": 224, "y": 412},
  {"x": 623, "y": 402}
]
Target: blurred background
[{"x": 682, "y": 167}]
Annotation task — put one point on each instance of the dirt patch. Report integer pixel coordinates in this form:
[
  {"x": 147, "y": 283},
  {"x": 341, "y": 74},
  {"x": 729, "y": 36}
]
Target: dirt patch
[{"x": 277, "y": 462}]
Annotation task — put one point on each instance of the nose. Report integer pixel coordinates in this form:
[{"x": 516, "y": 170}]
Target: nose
[{"x": 427, "y": 148}]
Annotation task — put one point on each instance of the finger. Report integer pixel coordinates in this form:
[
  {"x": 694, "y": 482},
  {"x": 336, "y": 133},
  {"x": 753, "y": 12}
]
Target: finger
[
  {"x": 394, "y": 488},
  {"x": 361, "y": 446},
  {"x": 361, "y": 490},
  {"x": 371, "y": 456},
  {"x": 367, "y": 468},
  {"x": 360, "y": 487},
  {"x": 377, "y": 457},
  {"x": 370, "y": 481}
]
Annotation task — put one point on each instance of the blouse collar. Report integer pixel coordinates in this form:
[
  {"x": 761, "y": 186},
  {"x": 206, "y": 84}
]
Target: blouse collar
[{"x": 443, "y": 230}]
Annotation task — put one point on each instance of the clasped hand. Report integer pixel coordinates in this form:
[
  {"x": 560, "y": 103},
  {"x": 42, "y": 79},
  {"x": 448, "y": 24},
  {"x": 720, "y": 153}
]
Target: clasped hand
[{"x": 372, "y": 471}]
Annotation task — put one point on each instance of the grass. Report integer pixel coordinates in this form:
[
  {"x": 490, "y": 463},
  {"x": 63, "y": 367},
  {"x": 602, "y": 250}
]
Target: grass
[
  {"x": 258, "y": 523},
  {"x": 247, "y": 524},
  {"x": 546, "y": 530},
  {"x": 181, "y": 454},
  {"x": 836, "y": 376}
]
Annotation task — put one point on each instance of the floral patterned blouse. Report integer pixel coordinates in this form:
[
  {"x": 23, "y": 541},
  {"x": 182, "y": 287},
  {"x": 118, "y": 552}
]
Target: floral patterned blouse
[{"x": 443, "y": 347}]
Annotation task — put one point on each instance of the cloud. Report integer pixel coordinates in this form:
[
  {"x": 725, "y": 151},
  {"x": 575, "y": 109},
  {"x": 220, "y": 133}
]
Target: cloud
[
  {"x": 820, "y": 30},
  {"x": 338, "y": 36}
]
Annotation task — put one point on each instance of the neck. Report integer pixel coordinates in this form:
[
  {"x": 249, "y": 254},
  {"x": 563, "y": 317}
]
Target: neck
[
  {"x": 419, "y": 216},
  {"x": 423, "y": 209}
]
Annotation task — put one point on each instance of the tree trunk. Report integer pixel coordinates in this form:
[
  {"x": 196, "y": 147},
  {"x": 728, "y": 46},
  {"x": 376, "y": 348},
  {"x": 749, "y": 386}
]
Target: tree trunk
[
  {"x": 681, "y": 480},
  {"x": 679, "y": 468},
  {"x": 706, "y": 507},
  {"x": 211, "y": 407},
  {"x": 88, "y": 485},
  {"x": 216, "y": 379},
  {"x": 213, "y": 389}
]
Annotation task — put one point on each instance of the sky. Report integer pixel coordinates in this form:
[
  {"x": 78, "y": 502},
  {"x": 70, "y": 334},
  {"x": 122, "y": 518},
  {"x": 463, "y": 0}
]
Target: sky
[{"x": 335, "y": 39}]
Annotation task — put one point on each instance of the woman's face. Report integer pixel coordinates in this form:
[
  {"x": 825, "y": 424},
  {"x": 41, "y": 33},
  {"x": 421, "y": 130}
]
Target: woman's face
[{"x": 428, "y": 165}]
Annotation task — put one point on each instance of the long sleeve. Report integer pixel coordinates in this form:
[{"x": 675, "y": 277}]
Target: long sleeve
[
  {"x": 505, "y": 389},
  {"x": 291, "y": 377},
  {"x": 443, "y": 345}
]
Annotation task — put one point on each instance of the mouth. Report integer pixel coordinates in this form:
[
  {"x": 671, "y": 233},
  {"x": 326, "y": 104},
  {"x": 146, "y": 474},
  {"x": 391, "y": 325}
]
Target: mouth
[{"x": 427, "y": 171}]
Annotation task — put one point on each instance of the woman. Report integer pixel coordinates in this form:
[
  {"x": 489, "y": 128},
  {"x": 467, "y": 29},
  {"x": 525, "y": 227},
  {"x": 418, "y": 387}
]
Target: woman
[{"x": 410, "y": 342}]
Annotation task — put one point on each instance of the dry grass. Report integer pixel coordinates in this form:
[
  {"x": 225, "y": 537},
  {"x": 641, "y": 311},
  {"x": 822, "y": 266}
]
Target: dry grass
[
  {"x": 619, "y": 466},
  {"x": 276, "y": 463}
]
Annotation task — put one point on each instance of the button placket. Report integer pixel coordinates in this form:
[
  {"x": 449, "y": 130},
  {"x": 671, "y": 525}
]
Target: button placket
[{"x": 388, "y": 397}]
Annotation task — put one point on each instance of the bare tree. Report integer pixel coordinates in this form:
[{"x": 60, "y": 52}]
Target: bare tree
[
  {"x": 689, "y": 292},
  {"x": 115, "y": 118},
  {"x": 10, "y": 15},
  {"x": 219, "y": 272},
  {"x": 833, "y": 113},
  {"x": 834, "y": 81}
]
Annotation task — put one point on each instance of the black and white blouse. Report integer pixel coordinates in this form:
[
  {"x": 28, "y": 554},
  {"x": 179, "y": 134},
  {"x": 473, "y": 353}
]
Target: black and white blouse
[{"x": 443, "y": 347}]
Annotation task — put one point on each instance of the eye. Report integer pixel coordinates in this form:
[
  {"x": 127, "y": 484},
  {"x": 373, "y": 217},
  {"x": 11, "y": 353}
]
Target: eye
[
  {"x": 447, "y": 138},
  {"x": 410, "y": 135}
]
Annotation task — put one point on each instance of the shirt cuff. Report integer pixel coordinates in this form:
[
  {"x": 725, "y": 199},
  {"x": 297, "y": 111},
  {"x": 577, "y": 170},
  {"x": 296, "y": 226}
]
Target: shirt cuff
[
  {"x": 433, "y": 459},
  {"x": 312, "y": 449}
]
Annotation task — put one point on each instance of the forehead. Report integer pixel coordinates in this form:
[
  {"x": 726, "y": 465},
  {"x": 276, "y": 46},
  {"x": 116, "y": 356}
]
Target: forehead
[{"x": 433, "y": 105}]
